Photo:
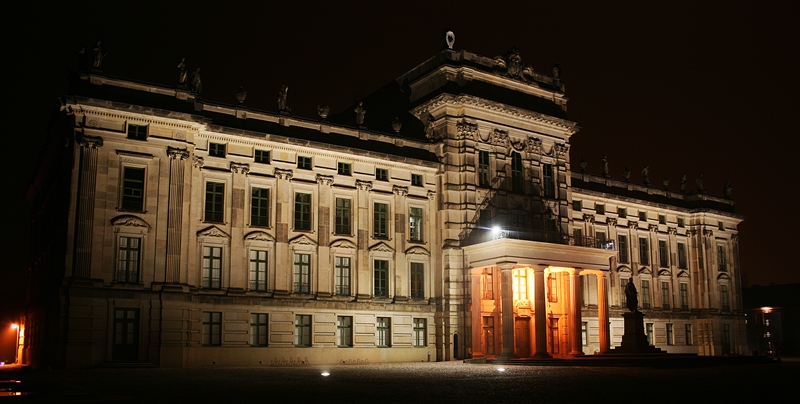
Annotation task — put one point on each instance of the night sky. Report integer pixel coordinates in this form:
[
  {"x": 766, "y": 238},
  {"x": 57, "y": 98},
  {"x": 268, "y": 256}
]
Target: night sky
[{"x": 680, "y": 87}]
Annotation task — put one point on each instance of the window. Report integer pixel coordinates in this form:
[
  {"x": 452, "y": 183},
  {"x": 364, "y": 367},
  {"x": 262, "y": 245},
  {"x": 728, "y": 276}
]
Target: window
[
  {"x": 577, "y": 235},
  {"x": 302, "y": 271},
  {"x": 721, "y": 226},
  {"x": 687, "y": 330},
  {"x": 485, "y": 219},
  {"x": 681, "y": 255},
  {"x": 548, "y": 182},
  {"x": 483, "y": 169},
  {"x": 259, "y": 207},
  {"x": 258, "y": 270},
  {"x": 517, "y": 179},
  {"x": 381, "y": 220},
  {"x": 662, "y": 219},
  {"x": 643, "y": 216},
  {"x": 212, "y": 328},
  {"x": 416, "y": 180},
  {"x": 381, "y": 278},
  {"x": 216, "y": 149},
  {"x": 600, "y": 239},
  {"x": 212, "y": 267},
  {"x": 519, "y": 286},
  {"x": 344, "y": 331},
  {"x": 128, "y": 269},
  {"x": 665, "y": 295},
  {"x": 381, "y": 174},
  {"x": 133, "y": 189},
  {"x": 663, "y": 258},
  {"x": 215, "y": 195},
  {"x": 623, "y": 300},
  {"x": 420, "y": 331},
  {"x": 649, "y": 333},
  {"x": 623, "y": 248},
  {"x": 518, "y": 220},
  {"x": 261, "y": 156},
  {"x": 721, "y": 258},
  {"x": 577, "y": 205},
  {"x": 304, "y": 162},
  {"x": 584, "y": 333},
  {"x": 723, "y": 297},
  {"x": 726, "y": 339},
  {"x": 383, "y": 335},
  {"x": 487, "y": 284},
  {"x": 670, "y": 335},
  {"x": 258, "y": 329},
  {"x": 488, "y": 334},
  {"x": 342, "y": 268},
  {"x": 302, "y": 211},
  {"x": 684, "y": 296},
  {"x": 681, "y": 223},
  {"x": 137, "y": 132},
  {"x": 343, "y": 168},
  {"x": 622, "y": 212},
  {"x": 644, "y": 251},
  {"x": 552, "y": 288},
  {"x": 415, "y": 224},
  {"x": 343, "y": 214},
  {"x": 600, "y": 209},
  {"x": 302, "y": 330},
  {"x": 417, "y": 280},
  {"x": 645, "y": 294}
]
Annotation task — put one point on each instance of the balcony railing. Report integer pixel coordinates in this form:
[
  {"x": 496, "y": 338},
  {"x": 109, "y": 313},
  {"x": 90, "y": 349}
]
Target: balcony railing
[{"x": 482, "y": 235}]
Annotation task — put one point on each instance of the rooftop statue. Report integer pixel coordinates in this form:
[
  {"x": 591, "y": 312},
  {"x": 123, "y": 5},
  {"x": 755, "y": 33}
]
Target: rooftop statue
[
  {"x": 241, "y": 94},
  {"x": 183, "y": 74},
  {"x": 626, "y": 173},
  {"x": 583, "y": 164},
  {"x": 631, "y": 296},
  {"x": 283, "y": 104},
  {"x": 665, "y": 182},
  {"x": 323, "y": 110},
  {"x": 646, "y": 176},
  {"x": 683, "y": 183},
  {"x": 699, "y": 182},
  {"x": 98, "y": 56},
  {"x": 449, "y": 39},
  {"x": 360, "y": 112},
  {"x": 396, "y": 124},
  {"x": 197, "y": 83},
  {"x": 605, "y": 166},
  {"x": 727, "y": 190}
]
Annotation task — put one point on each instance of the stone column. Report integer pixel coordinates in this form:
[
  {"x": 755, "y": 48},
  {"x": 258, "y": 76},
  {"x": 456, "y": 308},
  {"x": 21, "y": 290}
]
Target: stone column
[
  {"x": 172, "y": 273},
  {"x": 284, "y": 263},
  {"x": 575, "y": 312},
  {"x": 507, "y": 309},
  {"x": 87, "y": 184},
  {"x": 602, "y": 312},
  {"x": 364, "y": 272},
  {"x": 402, "y": 278},
  {"x": 540, "y": 314},
  {"x": 475, "y": 310},
  {"x": 238, "y": 267},
  {"x": 324, "y": 265}
]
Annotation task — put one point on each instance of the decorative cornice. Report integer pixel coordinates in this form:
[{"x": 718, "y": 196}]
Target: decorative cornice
[
  {"x": 177, "y": 153},
  {"x": 364, "y": 185},
  {"x": 240, "y": 168},
  {"x": 499, "y": 137},
  {"x": 382, "y": 247},
  {"x": 91, "y": 142},
  {"x": 283, "y": 174},
  {"x": 535, "y": 145},
  {"x": 343, "y": 244},
  {"x": 302, "y": 240},
  {"x": 417, "y": 251},
  {"x": 399, "y": 191},
  {"x": 561, "y": 149},
  {"x": 326, "y": 180},
  {"x": 466, "y": 130}
]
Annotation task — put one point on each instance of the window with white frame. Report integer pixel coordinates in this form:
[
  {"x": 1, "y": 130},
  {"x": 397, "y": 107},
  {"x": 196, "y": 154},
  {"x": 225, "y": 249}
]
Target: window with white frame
[
  {"x": 383, "y": 335},
  {"x": 302, "y": 273},
  {"x": 342, "y": 276},
  {"x": 128, "y": 259},
  {"x": 258, "y": 329},
  {"x": 344, "y": 331},
  {"x": 416, "y": 221},
  {"x": 258, "y": 270},
  {"x": 420, "y": 332},
  {"x": 212, "y": 267}
]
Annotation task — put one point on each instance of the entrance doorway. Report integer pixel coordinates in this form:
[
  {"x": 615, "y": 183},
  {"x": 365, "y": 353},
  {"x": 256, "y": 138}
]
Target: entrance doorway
[
  {"x": 522, "y": 337},
  {"x": 126, "y": 335}
]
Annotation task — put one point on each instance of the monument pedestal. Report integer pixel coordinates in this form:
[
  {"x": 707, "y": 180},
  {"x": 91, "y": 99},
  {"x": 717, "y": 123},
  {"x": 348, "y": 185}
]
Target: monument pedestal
[{"x": 634, "y": 341}]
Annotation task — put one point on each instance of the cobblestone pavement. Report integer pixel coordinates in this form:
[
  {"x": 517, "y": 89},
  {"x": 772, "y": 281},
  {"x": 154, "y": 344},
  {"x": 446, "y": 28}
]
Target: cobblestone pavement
[{"x": 409, "y": 382}]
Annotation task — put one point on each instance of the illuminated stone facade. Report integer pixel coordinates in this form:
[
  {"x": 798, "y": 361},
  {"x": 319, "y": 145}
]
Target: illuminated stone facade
[{"x": 446, "y": 225}]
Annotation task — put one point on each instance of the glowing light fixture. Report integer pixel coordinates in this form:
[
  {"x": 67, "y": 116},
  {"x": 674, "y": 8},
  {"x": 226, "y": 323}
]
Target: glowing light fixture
[
  {"x": 325, "y": 374},
  {"x": 501, "y": 369},
  {"x": 15, "y": 326},
  {"x": 766, "y": 310}
]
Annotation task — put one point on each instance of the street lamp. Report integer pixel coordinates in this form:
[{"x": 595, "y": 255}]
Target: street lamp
[{"x": 15, "y": 326}]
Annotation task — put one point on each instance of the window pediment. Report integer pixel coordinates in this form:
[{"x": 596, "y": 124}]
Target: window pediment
[
  {"x": 212, "y": 231},
  {"x": 341, "y": 243},
  {"x": 645, "y": 271},
  {"x": 624, "y": 269},
  {"x": 417, "y": 251},
  {"x": 723, "y": 277},
  {"x": 302, "y": 240},
  {"x": 129, "y": 220},
  {"x": 382, "y": 247},
  {"x": 259, "y": 236},
  {"x": 664, "y": 273},
  {"x": 683, "y": 274}
]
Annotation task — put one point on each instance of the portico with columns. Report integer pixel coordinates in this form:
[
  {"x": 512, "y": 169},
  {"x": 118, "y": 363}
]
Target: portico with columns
[{"x": 526, "y": 297}]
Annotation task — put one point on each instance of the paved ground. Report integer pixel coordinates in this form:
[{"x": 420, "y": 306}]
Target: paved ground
[{"x": 415, "y": 382}]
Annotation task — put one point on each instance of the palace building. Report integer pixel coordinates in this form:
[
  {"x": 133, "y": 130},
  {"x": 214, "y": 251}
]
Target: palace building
[{"x": 441, "y": 218}]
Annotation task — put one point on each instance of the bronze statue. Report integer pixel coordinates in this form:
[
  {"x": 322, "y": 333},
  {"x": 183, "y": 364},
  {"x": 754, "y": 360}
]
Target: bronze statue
[
  {"x": 646, "y": 175},
  {"x": 683, "y": 183},
  {"x": 605, "y": 166},
  {"x": 183, "y": 74},
  {"x": 631, "y": 296},
  {"x": 283, "y": 104},
  {"x": 360, "y": 112},
  {"x": 699, "y": 181},
  {"x": 197, "y": 84},
  {"x": 98, "y": 56}
]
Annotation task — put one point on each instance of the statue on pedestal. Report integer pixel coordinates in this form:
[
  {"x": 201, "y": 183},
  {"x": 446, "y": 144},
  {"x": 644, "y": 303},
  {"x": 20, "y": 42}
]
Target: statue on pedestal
[
  {"x": 360, "y": 112},
  {"x": 183, "y": 74},
  {"x": 631, "y": 296},
  {"x": 605, "y": 166},
  {"x": 683, "y": 183},
  {"x": 646, "y": 176}
]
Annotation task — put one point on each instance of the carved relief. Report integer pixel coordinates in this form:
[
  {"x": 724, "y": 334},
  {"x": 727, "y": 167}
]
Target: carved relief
[
  {"x": 302, "y": 240},
  {"x": 212, "y": 231},
  {"x": 653, "y": 228},
  {"x": 381, "y": 247},
  {"x": 535, "y": 145},
  {"x": 417, "y": 251},
  {"x": 499, "y": 137},
  {"x": 91, "y": 142},
  {"x": 283, "y": 174},
  {"x": 431, "y": 194},
  {"x": 364, "y": 185},
  {"x": 708, "y": 233},
  {"x": 343, "y": 244},
  {"x": 466, "y": 130},
  {"x": 240, "y": 168},
  {"x": 128, "y": 220},
  {"x": 326, "y": 180},
  {"x": 633, "y": 225},
  {"x": 611, "y": 221},
  {"x": 197, "y": 161},
  {"x": 176, "y": 153},
  {"x": 561, "y": 149},
  {"x": 672, "y": 231},
  {"x": 683, "y": 274},
  {"x": 588, "y": 217},
  {"x": 400, "y": 191},
  {"x": 259, "y": 236}
]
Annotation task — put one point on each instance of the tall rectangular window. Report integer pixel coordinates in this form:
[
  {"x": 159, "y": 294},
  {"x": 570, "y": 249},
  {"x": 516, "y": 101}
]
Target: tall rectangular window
[
  {"x": 417, "y": 280},
  {"x": 687, "y": 330},
  {"x": 302, "y": 273},
  {"x": 344, "y": 331},
  {"x": 665, "y": 298},
  {"x": 302, "y": 330},
  {"x": 721, "y": 258},
  {"x": 381, "y": 278},
  {"x": 212, "y": 328},
  {"x": 343, "y": 168},
  {"x": 723, "y": 297},
  {"x": 420, "y": 331},
  {"x": 258, "y": 329},
  {"x": 663, "y": 256},
  {"x": 128, "y": 268},
  {"x": 212, "y": 267},
  {"x": 577, "y": 236},
  {"x": 383, "y": 335},
  {"x": 487, "y": 284},
  {"x": 682, "y": 261},
  {"x": 343, "y": 216},
  {"x": 584, "y": 333},
  {"x": 258, "y": 270},
  {"x": 483, "y": 169},
  {"x": 488, "y": 334},
  {"x": 517, "y": 179},
  {"x": 684, "y": 296},
  {"x": 415, "y": 224},
  {"x": 623, "y": 248},
  {"x": 681, "y": 222},
  {"x": 552, "y": 288},
  {"x": 137, "y": 132},
  {"x": 215, "y": 195},
  {"x": 726, "y": 339},
  {"x": 645, "y": 294},
  {"x": 670, "y": 335},
  {"x": 216, "y": 149},
  {"x": 520, "y": 284},
  {"x": 259, "y": 207},
  {"x": 548, "y": 181},
  {"x": 304, "y": 162},
  {"x": 650, "y": 334},
  {"x": 342, "y": 268},
  {"x": 261, "y": 156},
  {"x": 380, "y": 225},
  {"x": 644, "y": 251},
  {"x": 133, "y": 189},
  {"x": 600, "y": 239},
  {"x": 485, "y": 219},
  {"x": 302, "y": 211}
]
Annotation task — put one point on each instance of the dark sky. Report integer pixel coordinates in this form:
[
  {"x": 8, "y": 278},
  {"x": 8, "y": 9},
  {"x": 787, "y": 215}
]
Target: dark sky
[{"x": 684, "y": 87}]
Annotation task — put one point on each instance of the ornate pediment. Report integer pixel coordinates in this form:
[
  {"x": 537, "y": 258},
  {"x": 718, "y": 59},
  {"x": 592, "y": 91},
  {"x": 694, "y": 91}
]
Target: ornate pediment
[
  {"x": 683, "y": 274},
  {"x": 381, "y": 247},
  {"x": 259, "y": 236},
  {"x": 664, "y": 272},
  {"x": 645, "y": 271},
  {"x": 417, "y": 251},
  {"x": 624, "y": 269},
  {"x": 129, "y": 220},
  {"x": 212, "y": 231},
  {"x": 723, "y": 277},
  {"x": 342, "y": 243},
  {"x": 302, "y": 240}
]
